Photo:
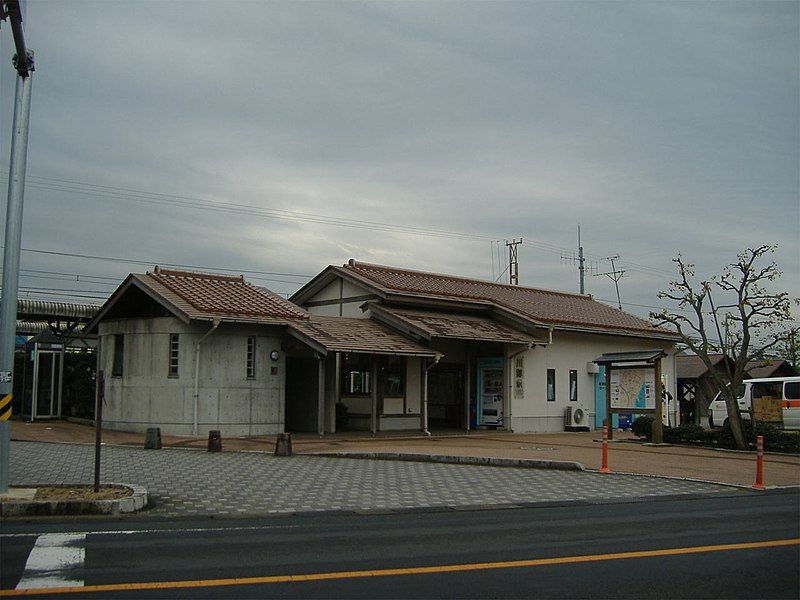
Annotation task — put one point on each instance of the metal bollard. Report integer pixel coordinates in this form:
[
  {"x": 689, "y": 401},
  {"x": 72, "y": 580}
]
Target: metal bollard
[
  {"x": 759, "y": 484},
  {"x": 152, "y": 438},
  {"x": 283, "y": 445},
  {"x": 214, "y": 441}
]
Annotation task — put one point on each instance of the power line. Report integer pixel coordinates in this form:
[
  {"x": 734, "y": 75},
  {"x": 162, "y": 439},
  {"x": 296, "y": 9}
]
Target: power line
[
  {"x": 166, "y": 264},
  {"x": 247, "y": 210},
  {"x": 159, "y": 198},
  {"x": 179, "y": 201},
  {"x": 615, "y": 275}
]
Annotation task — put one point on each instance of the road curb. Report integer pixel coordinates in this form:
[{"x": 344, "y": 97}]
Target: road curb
[
  {"x": 45, "y": 508},
  {"x": 526, "y": 463}
]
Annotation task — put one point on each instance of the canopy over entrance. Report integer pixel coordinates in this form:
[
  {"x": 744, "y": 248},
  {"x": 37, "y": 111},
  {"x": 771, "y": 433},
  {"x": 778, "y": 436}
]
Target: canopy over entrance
[{"x": 428, "y": 324}]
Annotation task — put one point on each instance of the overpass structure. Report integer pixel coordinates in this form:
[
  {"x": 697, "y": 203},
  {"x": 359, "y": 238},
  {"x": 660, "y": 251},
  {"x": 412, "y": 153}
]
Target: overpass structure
[{"x": 62, "y": 319}]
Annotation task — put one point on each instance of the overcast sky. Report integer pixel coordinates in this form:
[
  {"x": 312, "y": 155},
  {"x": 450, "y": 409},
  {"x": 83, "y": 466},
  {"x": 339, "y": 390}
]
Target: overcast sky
[{"x": 282, "y": 137}]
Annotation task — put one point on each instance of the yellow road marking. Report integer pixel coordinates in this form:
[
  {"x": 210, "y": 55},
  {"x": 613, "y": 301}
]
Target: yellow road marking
[{"x": 514, "y": 564}]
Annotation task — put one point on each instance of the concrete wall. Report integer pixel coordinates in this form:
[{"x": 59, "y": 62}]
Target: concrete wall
[
  {"x": 573, "y": 351},
  {"x": 145, "y": 396}
]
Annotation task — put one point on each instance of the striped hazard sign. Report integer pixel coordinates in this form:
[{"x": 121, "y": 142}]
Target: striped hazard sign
[{"x": 5, "y": 407}]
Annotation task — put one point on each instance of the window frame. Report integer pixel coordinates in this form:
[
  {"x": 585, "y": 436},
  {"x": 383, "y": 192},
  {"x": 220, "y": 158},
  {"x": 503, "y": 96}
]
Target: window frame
[
  {"x": 250, "y": 360},
  {"x": 173, "y": 357},
  {"x": 551, "y": 385},
  {"x": 573, "y": 385},
  {"x": 361, "y": 365},
  {"x": 401, "y": 371},
  {"x": 118, "y": 356}
]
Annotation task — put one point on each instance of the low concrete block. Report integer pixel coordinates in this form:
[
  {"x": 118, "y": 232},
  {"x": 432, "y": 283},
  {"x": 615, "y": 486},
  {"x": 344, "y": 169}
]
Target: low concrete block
[
  {"x": 523, "y": 463},
  {"x": 41, "y": 508}
]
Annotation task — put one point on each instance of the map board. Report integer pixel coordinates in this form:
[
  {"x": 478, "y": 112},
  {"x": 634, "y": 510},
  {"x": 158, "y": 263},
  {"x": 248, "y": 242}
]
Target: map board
[{"x": 633, "y": 388}]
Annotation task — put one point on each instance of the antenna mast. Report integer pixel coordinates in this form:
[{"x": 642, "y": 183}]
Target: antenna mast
[{"x": 581, "y": 267}]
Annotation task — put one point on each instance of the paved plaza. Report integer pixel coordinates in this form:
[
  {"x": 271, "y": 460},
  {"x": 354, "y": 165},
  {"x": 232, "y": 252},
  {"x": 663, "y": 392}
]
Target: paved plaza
[{"x": 192, "y": 482}]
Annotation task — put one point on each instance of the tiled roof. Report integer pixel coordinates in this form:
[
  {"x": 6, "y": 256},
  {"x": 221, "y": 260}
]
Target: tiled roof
[
  {"x": 542, "y": 306},
  {"x": 691, "y": 366},
  {"x": 432, "y": 324},
  {"x": 342, "y": 334},
  {"x": 211, "y": 295},
  {"x": 777, "y": 367}
]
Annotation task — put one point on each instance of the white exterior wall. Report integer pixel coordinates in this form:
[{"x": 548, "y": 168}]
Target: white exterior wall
[
  {"x": 336, "y": 291},
  {"x": 146, "y": 397},
  {"x": 573, "y": 351},
  {"x": 532, "y": 413}
]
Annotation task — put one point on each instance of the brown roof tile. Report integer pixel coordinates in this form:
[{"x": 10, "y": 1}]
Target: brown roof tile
[
  {"x": 543, "y": 306},
  {"x": 204, "y": 295},
  {"x": 342, "y": 334},
  {"x": 452, "y": 325}
]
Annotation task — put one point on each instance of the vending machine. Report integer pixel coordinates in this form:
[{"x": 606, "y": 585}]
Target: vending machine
[{"x": 490, "y": 391}]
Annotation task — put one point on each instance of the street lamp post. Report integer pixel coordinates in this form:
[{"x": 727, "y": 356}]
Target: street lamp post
[{"x": 23, "y": 63}]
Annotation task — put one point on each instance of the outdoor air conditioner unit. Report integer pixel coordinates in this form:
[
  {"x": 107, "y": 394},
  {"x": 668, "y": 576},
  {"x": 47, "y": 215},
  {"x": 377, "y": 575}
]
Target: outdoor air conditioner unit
[{"x": 575, "y": 419}]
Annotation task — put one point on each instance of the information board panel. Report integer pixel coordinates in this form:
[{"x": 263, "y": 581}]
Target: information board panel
[{"x": 633, "y": 388}]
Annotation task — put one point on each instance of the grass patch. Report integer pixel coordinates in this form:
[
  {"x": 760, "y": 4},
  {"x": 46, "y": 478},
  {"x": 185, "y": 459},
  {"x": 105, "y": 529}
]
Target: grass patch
[{"x": 81, "y": 493}]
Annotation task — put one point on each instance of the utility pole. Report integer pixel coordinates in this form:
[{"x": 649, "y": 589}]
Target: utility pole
[
  {"x": 569, "y": 257},
  {"x": 23, "y": 64},
  {"x": 513, "y": 262},
  {"x": 615, "y": 276}
]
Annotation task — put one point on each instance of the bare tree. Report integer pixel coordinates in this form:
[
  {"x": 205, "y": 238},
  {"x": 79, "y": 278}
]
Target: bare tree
[{"x": 733, "y": 314}]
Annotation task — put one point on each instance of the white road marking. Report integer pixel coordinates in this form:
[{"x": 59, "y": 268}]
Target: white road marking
[
  {"x": 55, "y": 561},
  {"x": 171, "y": 530}
]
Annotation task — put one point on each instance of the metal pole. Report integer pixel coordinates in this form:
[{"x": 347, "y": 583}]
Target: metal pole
[
  {"x": 98, "y": 426},
  {"x": 13, "y": 242},
  {"x": 581, "y": 268}
]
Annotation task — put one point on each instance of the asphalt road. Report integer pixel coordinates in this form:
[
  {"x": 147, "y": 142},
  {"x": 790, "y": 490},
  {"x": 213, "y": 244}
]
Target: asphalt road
[{"x": 737, "y": 545}]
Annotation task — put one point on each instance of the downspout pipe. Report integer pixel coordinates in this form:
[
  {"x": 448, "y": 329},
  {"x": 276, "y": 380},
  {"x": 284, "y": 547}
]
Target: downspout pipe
[
  {"x": 425, "y": 397},
  {"x": 196, "y": 395}
]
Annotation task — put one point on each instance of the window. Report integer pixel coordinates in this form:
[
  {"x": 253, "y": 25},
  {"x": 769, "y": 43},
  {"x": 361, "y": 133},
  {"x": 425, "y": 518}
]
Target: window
[
  {"x": 356, "y": 374},
  {"x": 173, "y": 354},
  {"x": 770, "y": 389},
  {"x": 573, "y": 385},
  {"x": 551, "y": 385},
  {"x": 251, "y": 357},
  {"x": 792, "y": 390},
  {"x": 119, "y": 351},
  {"x": 394, "y": 376}
]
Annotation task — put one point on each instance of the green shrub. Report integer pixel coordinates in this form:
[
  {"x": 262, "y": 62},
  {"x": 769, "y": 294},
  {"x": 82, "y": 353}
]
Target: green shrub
[
  {"x": 688, "y": 433},
  {"x": 643, "y": 427},
  {"x": 775, "y": 440}
]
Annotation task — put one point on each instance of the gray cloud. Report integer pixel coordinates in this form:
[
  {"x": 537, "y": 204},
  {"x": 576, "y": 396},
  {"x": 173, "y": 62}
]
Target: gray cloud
[{"x": 660, "y": 127}]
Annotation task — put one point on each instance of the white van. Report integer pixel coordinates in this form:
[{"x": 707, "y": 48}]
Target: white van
[{"x": 785, "y": 388}]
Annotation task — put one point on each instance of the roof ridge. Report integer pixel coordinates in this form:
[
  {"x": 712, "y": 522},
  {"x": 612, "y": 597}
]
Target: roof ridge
[
  {"x": 354, "y": 263},
  {"x": 197, "y": 275}
]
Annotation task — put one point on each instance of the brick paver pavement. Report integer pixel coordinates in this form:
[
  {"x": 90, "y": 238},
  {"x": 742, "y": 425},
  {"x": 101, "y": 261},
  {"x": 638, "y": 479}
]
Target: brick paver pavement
[{"x": 191, "y": 482}]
